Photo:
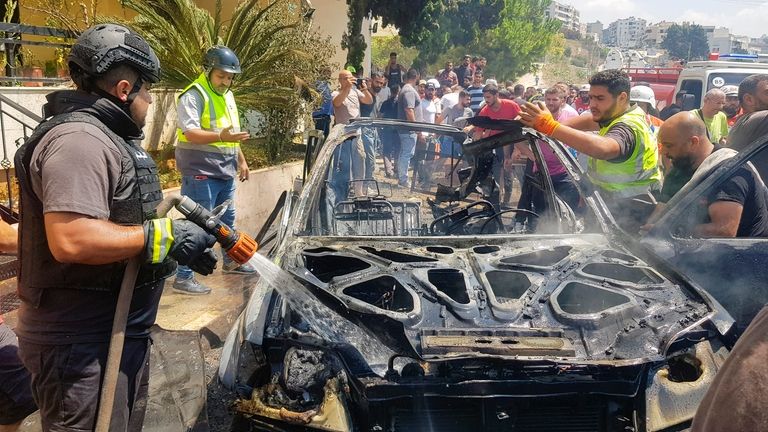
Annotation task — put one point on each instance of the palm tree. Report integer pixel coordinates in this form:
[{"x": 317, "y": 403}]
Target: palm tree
[
  {"x": 269, "y": 40},
  {"x": 275, "y": 45}
]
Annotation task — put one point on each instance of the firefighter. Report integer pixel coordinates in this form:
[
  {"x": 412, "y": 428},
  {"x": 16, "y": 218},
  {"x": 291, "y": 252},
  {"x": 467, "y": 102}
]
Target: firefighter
[{"x": 88, "y": 198}]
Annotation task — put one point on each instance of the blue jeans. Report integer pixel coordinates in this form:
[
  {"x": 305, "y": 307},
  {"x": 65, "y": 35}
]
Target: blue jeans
[
  {"x": 348, "y": 165},
  {"x": 407, "y": 149},
  {"x": 369, "y": 144},
  {"x": 209, "y": 193}
]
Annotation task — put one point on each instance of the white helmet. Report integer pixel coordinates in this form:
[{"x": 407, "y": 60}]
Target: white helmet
[
  {"x": 584, "y": 88},
  {"x": 730, "y": 90},
  {"x": 641, "y": 93}
]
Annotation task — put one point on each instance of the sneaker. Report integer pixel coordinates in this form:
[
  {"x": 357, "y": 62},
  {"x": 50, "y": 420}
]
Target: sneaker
[
  {"x": 234, "y": 268},
  {"x": 190, "y": 287}
]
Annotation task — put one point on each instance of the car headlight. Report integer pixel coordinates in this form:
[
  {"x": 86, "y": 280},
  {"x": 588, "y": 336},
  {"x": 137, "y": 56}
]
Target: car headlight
[{"x": 675, "y": 390}]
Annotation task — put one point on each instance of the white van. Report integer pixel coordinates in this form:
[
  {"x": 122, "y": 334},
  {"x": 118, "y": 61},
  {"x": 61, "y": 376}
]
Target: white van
[{"x": 699, "y": 77}]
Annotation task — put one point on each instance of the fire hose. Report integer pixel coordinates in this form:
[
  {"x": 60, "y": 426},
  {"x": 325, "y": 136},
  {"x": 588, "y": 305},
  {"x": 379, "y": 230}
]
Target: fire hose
[{"x": 237, "y": 245}]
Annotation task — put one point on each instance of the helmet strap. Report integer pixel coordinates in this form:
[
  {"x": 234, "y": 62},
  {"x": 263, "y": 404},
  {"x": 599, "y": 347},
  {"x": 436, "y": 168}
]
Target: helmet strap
[
  {"x": 135, "y": 90},
  {"x": 125, "y": 105}
]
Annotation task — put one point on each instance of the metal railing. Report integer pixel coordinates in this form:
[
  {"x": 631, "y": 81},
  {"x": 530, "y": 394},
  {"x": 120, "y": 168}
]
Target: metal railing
[
  {"x": 13, "y": 113},
  {"x": 11, "y": 39}
]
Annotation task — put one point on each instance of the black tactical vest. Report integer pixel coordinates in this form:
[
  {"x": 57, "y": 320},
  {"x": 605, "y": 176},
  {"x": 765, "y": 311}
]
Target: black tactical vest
[{"x": 39, "y": 270}]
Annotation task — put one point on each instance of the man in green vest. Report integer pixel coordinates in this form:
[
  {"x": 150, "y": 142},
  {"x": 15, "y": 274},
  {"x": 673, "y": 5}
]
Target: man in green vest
[
  {"x": 208, "y": 153},
  {"x": 623, "y": 155}
]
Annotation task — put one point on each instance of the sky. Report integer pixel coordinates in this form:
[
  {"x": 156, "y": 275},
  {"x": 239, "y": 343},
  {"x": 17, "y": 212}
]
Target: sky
[{"x": 742, "y": 17}]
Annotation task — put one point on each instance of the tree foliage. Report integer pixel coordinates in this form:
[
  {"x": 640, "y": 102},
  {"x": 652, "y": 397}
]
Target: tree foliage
[
  {"x": 415, "y": 19},
  {"x": 462, "y": 24},
  {"x": 686, "y": 41},
  {"x": 521, "y": 36},
  {"x": 381, "y": 46},
  {"x": 277, "y": 51}
]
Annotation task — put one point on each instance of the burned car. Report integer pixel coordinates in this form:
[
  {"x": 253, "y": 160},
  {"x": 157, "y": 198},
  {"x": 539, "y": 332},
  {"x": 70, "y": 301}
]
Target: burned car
[{"x": 438, "y": 306}]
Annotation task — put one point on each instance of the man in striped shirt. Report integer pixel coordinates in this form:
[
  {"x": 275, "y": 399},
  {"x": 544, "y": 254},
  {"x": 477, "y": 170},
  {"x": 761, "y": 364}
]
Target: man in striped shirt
[{"x": 476, "y": 91}]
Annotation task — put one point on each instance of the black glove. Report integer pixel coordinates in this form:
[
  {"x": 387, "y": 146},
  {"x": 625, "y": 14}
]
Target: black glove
[
  {"x": 205, "y": 263},
  {"x": 182, "y": 240}
]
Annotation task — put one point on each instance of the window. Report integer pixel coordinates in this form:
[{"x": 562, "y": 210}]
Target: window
[{"x": 693, "y": 87}]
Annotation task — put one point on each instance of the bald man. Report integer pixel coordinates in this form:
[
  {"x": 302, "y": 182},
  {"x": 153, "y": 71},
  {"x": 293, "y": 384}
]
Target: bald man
[
  {"x": 737, "y": 207},
  {"x": 711, "y": 112},
  {"x": 347, "y": 100}
]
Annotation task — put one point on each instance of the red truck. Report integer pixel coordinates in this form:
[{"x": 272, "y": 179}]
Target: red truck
[{"x": 662, "y": 80}]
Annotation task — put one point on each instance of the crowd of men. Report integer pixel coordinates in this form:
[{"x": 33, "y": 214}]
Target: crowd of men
[{"x": 612, "y": 126}]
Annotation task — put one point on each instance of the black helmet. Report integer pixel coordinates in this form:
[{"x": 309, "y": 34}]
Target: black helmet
[
  {"x": 223, "y": 58},
  {"x": 104, "y": 46}
]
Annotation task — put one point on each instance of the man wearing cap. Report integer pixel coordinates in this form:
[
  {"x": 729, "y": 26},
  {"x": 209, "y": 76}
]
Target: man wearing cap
[
  {"x": 208, "y": 153},
  {"x": 582, "y": 102},
  {"x": 89, "y": 194},
  {"x": 732, "y": 108}
]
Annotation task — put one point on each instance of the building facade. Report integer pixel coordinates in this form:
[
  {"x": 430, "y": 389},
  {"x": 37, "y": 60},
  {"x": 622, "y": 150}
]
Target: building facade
[
  {"x": 625, "y": 33},
  {"x": 655, "y": 33},
  {"x": 566, "y": 14},
  {"x": 595, "y": 31}
]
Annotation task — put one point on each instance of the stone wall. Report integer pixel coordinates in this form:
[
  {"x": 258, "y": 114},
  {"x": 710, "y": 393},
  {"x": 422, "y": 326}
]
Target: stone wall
[{"x": 255, "y": 198}]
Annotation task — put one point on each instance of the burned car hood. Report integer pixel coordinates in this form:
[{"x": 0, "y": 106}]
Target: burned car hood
[{"x": 565, "y": 298}]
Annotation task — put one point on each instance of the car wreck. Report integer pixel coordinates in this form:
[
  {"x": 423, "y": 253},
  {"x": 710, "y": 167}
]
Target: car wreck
[{"x": 440, "y": 307}]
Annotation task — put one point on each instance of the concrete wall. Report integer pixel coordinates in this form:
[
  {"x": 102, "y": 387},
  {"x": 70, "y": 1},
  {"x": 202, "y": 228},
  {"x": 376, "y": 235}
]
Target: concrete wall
[
  {"x": 160, "y": 127},
  {"x": 330, "y": 19},
  {"x": 255, "y": 198}
]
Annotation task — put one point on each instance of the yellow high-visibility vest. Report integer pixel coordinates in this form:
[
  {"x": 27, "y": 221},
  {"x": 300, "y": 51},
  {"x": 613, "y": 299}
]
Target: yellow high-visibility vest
[
  {"x": 219, "y": 113},
  {"x": 640, "y": 172}
]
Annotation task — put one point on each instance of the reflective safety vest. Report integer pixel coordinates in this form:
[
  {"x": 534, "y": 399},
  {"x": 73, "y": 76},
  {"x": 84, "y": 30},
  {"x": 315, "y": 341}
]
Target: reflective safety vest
[
  {"x": 219, "y": 113},
  {"x": 640, "y": 172}
]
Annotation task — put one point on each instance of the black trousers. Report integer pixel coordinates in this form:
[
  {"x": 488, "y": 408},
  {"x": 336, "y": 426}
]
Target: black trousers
[
  {"x": 323, "y": 123},
  {"x": 66, "y": 384},
  {"x": 16, "y": 400}
]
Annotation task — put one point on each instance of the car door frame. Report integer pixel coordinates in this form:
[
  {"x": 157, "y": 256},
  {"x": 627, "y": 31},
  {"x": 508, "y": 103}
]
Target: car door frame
[{"x": 663, "y": 241}]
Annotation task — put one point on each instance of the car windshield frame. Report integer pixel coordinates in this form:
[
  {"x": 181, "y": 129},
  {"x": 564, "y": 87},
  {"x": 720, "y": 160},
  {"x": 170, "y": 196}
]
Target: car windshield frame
[{"x": 310, "y": 194}]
